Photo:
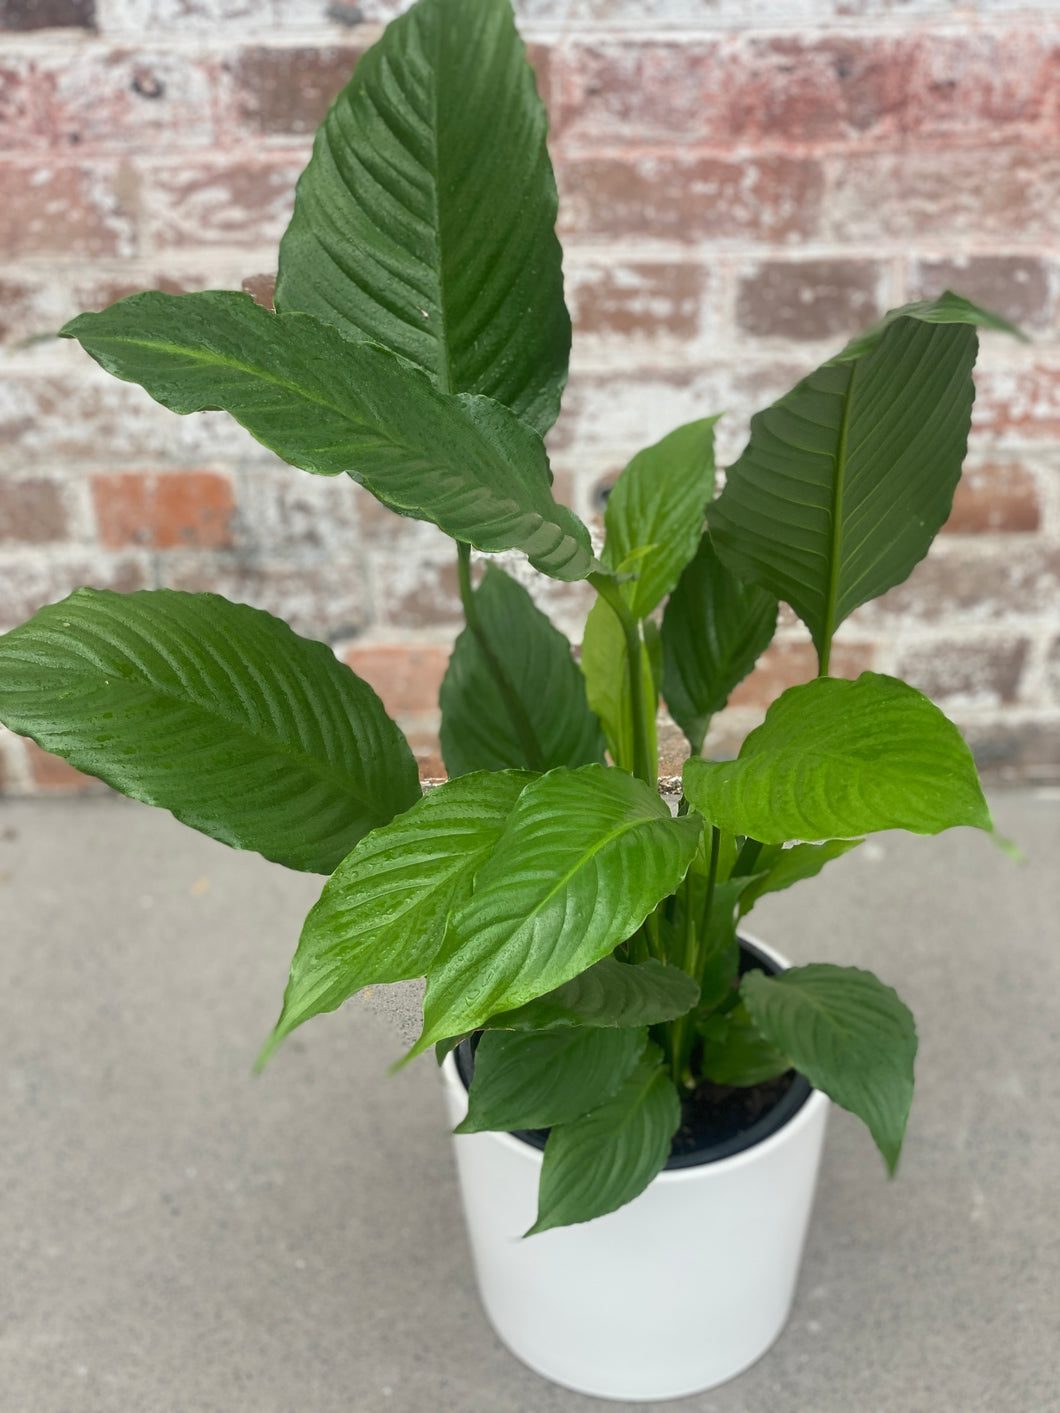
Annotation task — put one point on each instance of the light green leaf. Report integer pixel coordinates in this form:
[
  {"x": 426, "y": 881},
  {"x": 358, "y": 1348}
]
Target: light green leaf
[
  {"x": 713, "y": 631},
  {"x": 600, "y": 1162},
  {"x": 477, "y": 731},
  {"x": 605, "y": 666},
  {"x": 586, "y": 855},
  {"x": 779, "y": 868},
  {"x": 540, "y": 1078},
  {"x": 328, "y": 406},
  {"x": 847, "y": 479},
  {"x": 736, "y": 1052},
  {"x": 212, "y": 710},
  {"x": 835, "y": 759},
  {"x": 609, "y": 993},
  {"x": 851, "y": 1037},
  {"x": 425, "y": 218},
  {"x": 382, "y": 914},
  {"x": 655, "y": 513}
]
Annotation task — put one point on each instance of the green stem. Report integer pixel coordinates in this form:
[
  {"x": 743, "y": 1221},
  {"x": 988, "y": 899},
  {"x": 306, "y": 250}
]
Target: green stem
[
  {"x": 607, "y": 588},
  {"x": 746, "y": 858},
  {"x": 712, "y": 879},
  {"x": 521, "y": 722}
]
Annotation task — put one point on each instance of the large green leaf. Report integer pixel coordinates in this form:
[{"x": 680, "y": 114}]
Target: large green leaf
[
  {"x": 382, "y": 914},
  {"x": 477, "y": 731},
  {"x": 425, "y": 218},
  {"x": 540, "y": 1078},
  {"x": 215, "y": 711},
  {"x": 835, "y": 759},
  {"x": 586, "y": 855},
  {"x": 655, "y": 513},
  {"x": 778, "y": 868},
  {"x": 713, "y": 630},
  {"x": 609, "y": 993},
  {"x": 600, "y": 1162},
  {"x": 850, "y": 1035},
  {"x": 605, "y": 667},
  {"x": 736, "y": 1052},
  {"x": 328, "y": 406},
  {"x": 847, "y": 479}
]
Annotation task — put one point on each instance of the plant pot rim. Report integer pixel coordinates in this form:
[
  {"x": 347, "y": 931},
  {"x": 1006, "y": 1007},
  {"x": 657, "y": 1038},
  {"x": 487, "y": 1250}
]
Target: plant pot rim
[{"x": 802, "y": 1115}]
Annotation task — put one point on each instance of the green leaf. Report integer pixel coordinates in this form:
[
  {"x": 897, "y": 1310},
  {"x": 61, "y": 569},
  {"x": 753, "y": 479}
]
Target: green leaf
[
  {"x": 609, "y": 993},
  {"x": 477, "y": 731},
  {"x": 736, "y": 1052},
  {"x": 212, "y": 710},
  {"x": 602, "y": 1161},
  {"x": 781, "y": 867},
  {"x": 720, "y": 967},
  {"x": 382, "y": 914},
  {"x": 835, "y": 759},
  {"x": 847, "y": 479},
  {"x": 605, "y": 667},
  {"x": 330, "y": 406},
  {"x": 851, "y": 1037},
  {"x": 655, "y": 513},
  {"x": 713, "y": 631},
  {"x": 586, "y": 855},
  {"x": 541, "y": 1078},
  {"x": 425, "y": 218}
]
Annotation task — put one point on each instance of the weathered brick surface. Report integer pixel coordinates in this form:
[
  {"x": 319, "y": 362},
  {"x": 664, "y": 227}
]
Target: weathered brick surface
[
  {"x": 167, "y": 510},
  {"x": 52, "y": 773},
  {"x": 743, "y": 186},
  {"x": 809, "y": 299}
]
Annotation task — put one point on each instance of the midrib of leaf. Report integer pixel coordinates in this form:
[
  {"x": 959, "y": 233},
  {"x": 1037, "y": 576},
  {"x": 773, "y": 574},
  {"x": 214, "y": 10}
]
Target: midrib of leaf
[
  {"x": 444, "y": 375},
  {"x": 324, "y": 770},
  {"x": 824, "y": 648}
]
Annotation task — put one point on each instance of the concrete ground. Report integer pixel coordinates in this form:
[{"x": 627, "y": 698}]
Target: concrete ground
[{"x": 177, "y": 1236}]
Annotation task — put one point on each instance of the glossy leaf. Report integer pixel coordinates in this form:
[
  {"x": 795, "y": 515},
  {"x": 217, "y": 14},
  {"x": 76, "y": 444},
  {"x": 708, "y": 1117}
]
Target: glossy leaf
[
  {"x": 330, "y": 406},
  {"x": 609, "y": 993},
  {"x": 736, "y": 1052},
  {"x": 780, "y": 868},
  {"x": 835, "y": 759},
  {"x": 215, "y": 711},
  {"x": 605, "y": 667},
  {"x": 382, "y": 914},
  {"x": 847, "y": 479},
  {"x": 655, "y": 512},
  {"x": 849, "y": 1034},
  {"x": 714, "y": 629},
  {"x": 425, "y": 218},
  {"x": 540, "y": 1078},
  {"x": 602, "y": 1161},
  {"x": 477, "y": 731},
  {"x": 586, "y": 855}
]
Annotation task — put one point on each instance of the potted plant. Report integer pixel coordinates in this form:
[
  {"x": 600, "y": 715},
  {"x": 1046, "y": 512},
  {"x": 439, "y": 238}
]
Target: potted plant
[{"x": 634, "y": 1061}]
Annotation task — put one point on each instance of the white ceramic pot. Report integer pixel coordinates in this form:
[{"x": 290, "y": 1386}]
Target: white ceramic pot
[{"x": 676, "y": 1292}]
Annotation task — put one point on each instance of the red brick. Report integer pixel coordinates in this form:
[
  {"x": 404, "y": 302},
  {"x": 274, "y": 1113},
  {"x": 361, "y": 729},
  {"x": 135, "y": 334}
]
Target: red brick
[
  {"x": 690, "y": 197},
  {"x": 47, "y": 14},
  {"x": 786, "y": 664},
  {"x": 287, "y": 91},
  {"x": 59, "y": 210},
  {"x": 418, "y": 594},
  {"x": 407, "y": 678},
  {"x": 968, "y": 584},
  {"x": 985, "y": 193},
  {"x": 996, "y": 497},
  {"x": 27, "y": 585},
  {"x": 1021, "y": 401},
  {"x": 22, "y": 124},
  {"x": 186, "y": 509},
  {"x": 327, "y": 600},
  {"x": 237, "y": 203},
  {"x": 53, "y": 774},
  {"x": 957, "y": 672},
  {"x": 1015, "y": 286},
  {"x": 129, "y": 98},
  {"x": 262, "y": 289},
  {"x": 31, "y": 512},
  {"x": 636, "y": 300},
  {"x": 428, "y": 752},
  {"x": 639, "y": 91},
  {"x": 808, "y": 299}
]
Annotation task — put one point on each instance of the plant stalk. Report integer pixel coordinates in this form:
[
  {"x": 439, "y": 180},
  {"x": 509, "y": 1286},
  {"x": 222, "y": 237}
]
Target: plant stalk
[
  {"x": 523, "y": 726},
  {"x": 607, "y": 588}
]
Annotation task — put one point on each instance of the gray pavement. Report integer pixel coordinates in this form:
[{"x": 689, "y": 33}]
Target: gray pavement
[{"x": 177, "y": 1236}]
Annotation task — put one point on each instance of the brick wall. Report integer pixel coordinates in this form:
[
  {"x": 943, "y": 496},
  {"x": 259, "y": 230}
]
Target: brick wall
[{"x": 744, "y": 183}]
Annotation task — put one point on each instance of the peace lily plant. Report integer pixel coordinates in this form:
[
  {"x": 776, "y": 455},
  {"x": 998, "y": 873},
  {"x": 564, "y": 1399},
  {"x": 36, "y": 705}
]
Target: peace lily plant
[{"x": 549, "y": 896}]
